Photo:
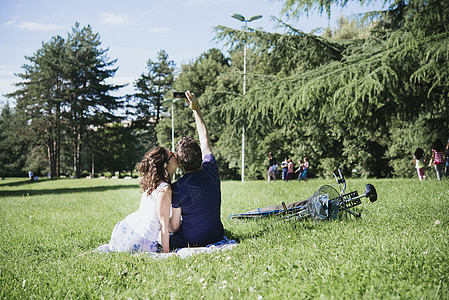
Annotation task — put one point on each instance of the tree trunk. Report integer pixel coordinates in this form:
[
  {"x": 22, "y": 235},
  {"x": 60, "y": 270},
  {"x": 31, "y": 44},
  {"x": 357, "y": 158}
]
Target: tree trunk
[
  {"x": 78, "y": 156},
  {"x": 58, "y": 142},
  {"x": 74, "y": 156},
  {"x": 51, "y": 157},
  {"x": 93, "y": 163},
  {"x": 77, "y": 153}
]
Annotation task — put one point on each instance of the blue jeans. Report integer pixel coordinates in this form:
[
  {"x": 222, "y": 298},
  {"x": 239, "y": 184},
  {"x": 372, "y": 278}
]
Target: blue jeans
[{"x": 439, "y": 170}]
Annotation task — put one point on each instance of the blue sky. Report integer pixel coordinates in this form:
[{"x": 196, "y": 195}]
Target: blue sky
[{"x": 134, "y": 30}]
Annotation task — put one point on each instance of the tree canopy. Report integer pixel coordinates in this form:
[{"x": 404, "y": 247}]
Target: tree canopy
[
  {"x": 361, "y": 97},
  {"x": 64, "y": 92},
  {"x": 342, "y": 101}
]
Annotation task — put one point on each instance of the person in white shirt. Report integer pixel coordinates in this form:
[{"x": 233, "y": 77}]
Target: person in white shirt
[{"x": 140, "y": 230}]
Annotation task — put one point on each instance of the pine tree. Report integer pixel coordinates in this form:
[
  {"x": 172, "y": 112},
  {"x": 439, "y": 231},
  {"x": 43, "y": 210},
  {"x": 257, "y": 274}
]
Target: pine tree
[
  {"x": 14, "y": 141},
  {"x": 89, "y": 98},
  {"x": 152, "y": 88},
  {"x": 40, "y": 96},
  {"x": 64, "y": 89}
]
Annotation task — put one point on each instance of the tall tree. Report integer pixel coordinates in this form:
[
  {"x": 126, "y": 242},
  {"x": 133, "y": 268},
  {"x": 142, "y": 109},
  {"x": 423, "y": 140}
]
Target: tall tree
[
  {"x": 14, "y": 141},
  {"x": 152, "y": 87},
  {"x": 40, "y": 96},
  {"x": 65, "y": 83},
  {"x": 89, "y": 98}
]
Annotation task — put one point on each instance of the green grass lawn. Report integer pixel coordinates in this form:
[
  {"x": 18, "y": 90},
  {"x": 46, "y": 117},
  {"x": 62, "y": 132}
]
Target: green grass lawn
[{"x": 398, "y": 249}]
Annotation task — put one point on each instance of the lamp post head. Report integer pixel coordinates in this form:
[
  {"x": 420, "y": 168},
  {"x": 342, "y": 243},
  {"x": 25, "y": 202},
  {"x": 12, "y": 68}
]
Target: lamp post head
[
  {"x": 238, "y": 17},
  {"x": 172, "y": 101},
  {"x": 256, "y": 17}
]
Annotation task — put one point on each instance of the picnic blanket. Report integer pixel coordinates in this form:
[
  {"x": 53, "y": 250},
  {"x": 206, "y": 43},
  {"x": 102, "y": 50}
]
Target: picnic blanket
[{"x": 224, "y": 244}]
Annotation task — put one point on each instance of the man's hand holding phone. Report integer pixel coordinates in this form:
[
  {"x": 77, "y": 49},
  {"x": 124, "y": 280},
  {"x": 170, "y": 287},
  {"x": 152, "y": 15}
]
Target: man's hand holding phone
[{"x": 192, "y": 101}]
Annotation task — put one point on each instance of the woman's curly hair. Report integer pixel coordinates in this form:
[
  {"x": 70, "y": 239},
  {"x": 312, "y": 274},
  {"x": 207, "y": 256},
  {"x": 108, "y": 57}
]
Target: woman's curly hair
[
  {"x": 189, "y": 154},
  {"x": 154, "y": 169}
]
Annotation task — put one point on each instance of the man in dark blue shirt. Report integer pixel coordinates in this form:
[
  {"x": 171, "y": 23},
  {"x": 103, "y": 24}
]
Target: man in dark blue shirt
[{"x": 196, "y": 195}]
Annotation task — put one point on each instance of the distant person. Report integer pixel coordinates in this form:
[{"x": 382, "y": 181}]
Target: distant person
[
  {"x": 447, "y": 159},
  {"x": 305, "y": 169},
  {"x": 197, "y": 194},
  {"x": 290, "y": 170},
  {"x": 437, "y": 158},
  {"x": 299, "y": 170},
  {"x": 140, "y": 230},
  {"x": 273, "y": 167},
  {"x": 284, "y": 166},
  {"x": 419, "y": 162},
  {"x": 30, "y": 175}
]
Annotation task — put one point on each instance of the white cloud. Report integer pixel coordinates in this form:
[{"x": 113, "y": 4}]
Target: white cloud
[
  {"x": 199, "y": 2},
  {"x": 7, "y": 70},
  {"x": 10, "y": 23},
  {"x": 21, "y": 3},
  {"x": 113, "y": 19},
  {"x": 7, "y": 86},
  {"x": 205, "y": 3},
  {"x": 32, "y": 26},
  {"x": 159, "y": 29},
  {"x": 121, "y": 80}
]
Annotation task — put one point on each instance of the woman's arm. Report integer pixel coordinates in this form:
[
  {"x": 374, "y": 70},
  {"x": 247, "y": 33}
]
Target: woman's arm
[
  {"x": 175, "y": 220},
  {"x": 163, "y": 207}
]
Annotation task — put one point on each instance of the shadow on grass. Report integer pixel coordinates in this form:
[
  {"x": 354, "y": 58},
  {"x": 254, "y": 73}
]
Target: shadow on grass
[
  {"x": 19, "y": 182},
  {"x": 273, "y": 223},
  {"x": 241, "y": 237},
  {"x": 26, "y": 192}
]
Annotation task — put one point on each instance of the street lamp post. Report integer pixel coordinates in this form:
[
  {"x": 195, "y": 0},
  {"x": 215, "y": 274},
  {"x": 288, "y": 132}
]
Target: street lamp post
[
  {"x": 173, "y": 122},
  {"x": 173, "y": 125},
  {"x": 243, "y": 19}
]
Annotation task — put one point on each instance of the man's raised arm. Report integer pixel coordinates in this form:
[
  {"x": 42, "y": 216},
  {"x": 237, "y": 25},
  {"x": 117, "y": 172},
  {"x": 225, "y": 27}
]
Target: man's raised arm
[{"x": 200, "y": 125}]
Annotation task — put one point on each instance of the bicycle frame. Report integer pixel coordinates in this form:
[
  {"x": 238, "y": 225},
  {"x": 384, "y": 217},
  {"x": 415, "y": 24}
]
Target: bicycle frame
[{"x": 317, "y": 206}]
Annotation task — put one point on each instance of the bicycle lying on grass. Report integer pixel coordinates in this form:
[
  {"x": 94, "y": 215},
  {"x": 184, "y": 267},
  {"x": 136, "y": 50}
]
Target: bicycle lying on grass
[{"x": 324, "y": 204}]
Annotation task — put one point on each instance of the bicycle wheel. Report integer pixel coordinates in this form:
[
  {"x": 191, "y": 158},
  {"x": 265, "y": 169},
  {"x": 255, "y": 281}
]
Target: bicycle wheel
[{"x": 321, "y": 204}]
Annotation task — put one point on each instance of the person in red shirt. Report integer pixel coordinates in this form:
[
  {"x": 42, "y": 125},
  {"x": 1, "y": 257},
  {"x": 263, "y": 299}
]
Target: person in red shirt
[{"x": 438, "y": 157}]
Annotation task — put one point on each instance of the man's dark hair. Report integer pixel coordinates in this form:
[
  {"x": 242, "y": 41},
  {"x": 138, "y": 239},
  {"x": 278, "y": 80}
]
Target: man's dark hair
[
  {"x": 189, "y": 154},
  {"x": 419, "y": 153},
  {"x": 438, "y": 145}
]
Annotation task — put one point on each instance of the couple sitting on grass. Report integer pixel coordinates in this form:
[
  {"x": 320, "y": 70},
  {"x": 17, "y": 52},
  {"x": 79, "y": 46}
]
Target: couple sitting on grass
[{"x": 196, "y": 196}]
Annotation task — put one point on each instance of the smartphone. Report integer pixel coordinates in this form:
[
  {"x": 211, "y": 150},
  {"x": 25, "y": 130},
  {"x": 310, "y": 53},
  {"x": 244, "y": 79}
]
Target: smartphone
[{"x": 179, "y": 95}]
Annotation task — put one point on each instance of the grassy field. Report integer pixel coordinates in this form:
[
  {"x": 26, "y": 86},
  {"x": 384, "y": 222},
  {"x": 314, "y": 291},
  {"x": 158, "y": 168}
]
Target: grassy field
[{"x": 398, "y": 249}]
